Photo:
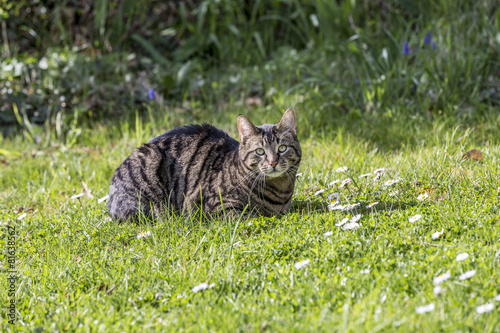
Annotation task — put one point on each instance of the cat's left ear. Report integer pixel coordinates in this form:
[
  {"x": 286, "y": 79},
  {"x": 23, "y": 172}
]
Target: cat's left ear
[{"x": 288, "y": 123}]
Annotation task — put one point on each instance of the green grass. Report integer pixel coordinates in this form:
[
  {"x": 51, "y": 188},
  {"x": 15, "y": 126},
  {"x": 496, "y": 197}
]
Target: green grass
[
  {"x": 72, "y": 112},
  {"x": 80, "y": 271}
]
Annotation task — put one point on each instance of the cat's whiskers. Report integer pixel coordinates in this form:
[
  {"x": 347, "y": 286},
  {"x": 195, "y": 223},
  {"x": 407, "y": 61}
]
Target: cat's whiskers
[{"x": 248, "y": 175}]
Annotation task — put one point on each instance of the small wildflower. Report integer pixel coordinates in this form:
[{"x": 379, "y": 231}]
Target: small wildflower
[
  {"x": 342, "y": 169},
  {"x": 200, "y": 287},
  {"x": 350, "y": 207},
  {"x": 336, "y": 206},
  {"x": 391, "y": 182},
  {"x": 345, "y": 182},
  {"x": 299, "y": 175},
  {"x": 380, "y": 170},
  {"x": 394, "y": 193},
  {"x": 485, "y": 308},
  {"x": 333, "y": 196},
  {"x": 497, "y": 297},
  {"x": 406, "y": 48},
  {"x": 372, "y": 204},
  {"x": 377, "y": 177},
  {"x": 341, "y": 223},
  {"x": 22, "y": 216},
  {"x": 318, "y": 192},
  {"x": 415, "y": 218},
  {"x": 462, "y": 256},
  {"x": 467, "y": 275},
  {"x": 438, "y": 290},
  {"x": 328, "y": 233},
  {"x": 433, "y": 45},
  {"x": 441, "y": 278},
  {"x": 425, "y": 308},
  {"x": 302, "y": 264},
  {"x": 365, "y": 175},
  {"x": 79, "y": 195},
  {"x": 422, "y": 196},
  {"x": 151, "y": 94},
  {"x": 428, "y": 38},
  {"x": 343, "y": 282},
  {"x": 365, "y": 271},
  {"x": 336, "y": 181},
  {"x": 437, "y": 234},
  {"x": 356, "y": 218},
  {"x": 144, "y": 234},
  {"x": 351, "y": 225},
  {"x": 104, "y": 198}
]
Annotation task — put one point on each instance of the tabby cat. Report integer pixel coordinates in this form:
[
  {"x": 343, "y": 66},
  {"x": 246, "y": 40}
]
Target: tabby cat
[{"x": 195, "y": 167}]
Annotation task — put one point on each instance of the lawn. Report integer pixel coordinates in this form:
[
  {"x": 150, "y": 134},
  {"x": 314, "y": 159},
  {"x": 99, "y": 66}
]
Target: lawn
[
  {"x": 387, "y": 102},
  {"x": 79, "y": 270}
]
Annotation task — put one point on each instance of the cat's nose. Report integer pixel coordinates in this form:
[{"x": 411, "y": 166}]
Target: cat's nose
[{"x": 274, "y": 164}]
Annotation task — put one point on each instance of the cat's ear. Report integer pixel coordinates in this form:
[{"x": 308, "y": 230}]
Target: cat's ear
[
  {"x": 288, "y": 123},
  {"x": 246, "y": 128}
]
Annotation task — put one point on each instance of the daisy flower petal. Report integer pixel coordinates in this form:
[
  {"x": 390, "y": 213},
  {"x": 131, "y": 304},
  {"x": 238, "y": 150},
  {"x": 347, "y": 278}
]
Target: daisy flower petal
[
  {"x": 485, "y": 308},
  {"x": 415, "y": 218},
  {"x": 467, "y": 275},
  {"x": 200, "y": 287},
  {"x": 462, "y": 256},
  {"x": 422, "y": 197},
  {"x": 342, "y": 169},
  {"x": 341, "y": 223},
  {"x": 351, "y": 226},
  {"x": 425, "y": 308},
  {"x": 302, "y": 264},
  {"x": 441, "y": 278}
]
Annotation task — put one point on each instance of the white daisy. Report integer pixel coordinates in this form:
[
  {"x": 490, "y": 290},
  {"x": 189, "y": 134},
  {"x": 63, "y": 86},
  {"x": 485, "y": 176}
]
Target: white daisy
[
  {"x": 365, "y": 271},
  {"x": 299, "y": 175},
  {"x": 422, "y": 196},
  {"x": 441, "y": 278},
  {"x": 372, "y": 204},
  {"x": 144, "y": 234},
  {"x": 415, "y": 218},
  {"x": 302, "y": 264},
  {"x": 200, "y": 287},
  {"x": 336, "y": 181},
  {"x": 462, "y": 256},
  {"x": 22, "y": 216},
  {"x": 79, "y": 195},
  {"x": 356, "y": 218},
  {"x": 332, "y": 196},
  {"x": 377, "y": 177},
  {"x": 425, "y": 308},
  {"x": 497, "y": 297},
  {"x": 485, "y": 308},
  {"x": 336, "y": 206},
  {"x": 318, "y": 192},
  {"x": 365, "y": 175},
  {"x": 351, "y": 225},
  {"x": 104, "y": 198},
  {"x": 393, "y": 193},
  {"x": 345, "y": 182},
  {"x": 437, "y": 290},
  {"x": 328, "y": 233},
  {"x": 467, "y": 275},
  {"x": 342, "y": 169},
  {"x": 391, "y": 182},
  {"x": 437, "y": 234},
  {"x": 381, "y": 170},
  {"x": 350, "y": 207},
  {"x": 341, "y": 223}
]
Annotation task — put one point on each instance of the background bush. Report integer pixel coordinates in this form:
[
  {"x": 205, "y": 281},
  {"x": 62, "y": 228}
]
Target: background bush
[{"x": 80, "y": 62}]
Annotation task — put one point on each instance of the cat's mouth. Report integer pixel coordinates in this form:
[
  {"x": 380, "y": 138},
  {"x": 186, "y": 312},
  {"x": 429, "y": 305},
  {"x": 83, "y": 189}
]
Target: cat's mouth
[{"x": 274, "y": 173}]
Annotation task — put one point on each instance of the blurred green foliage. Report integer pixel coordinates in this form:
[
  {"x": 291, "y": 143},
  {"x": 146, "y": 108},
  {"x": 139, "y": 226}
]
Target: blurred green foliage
[{"x": 67, "y": 61}]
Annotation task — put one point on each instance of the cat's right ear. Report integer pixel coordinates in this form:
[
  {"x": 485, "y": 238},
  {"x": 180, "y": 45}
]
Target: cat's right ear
[{"x": 246, "y": 128}]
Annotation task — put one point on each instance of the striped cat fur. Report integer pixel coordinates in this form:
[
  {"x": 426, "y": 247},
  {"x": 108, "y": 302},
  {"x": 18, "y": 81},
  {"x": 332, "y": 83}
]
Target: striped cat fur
[{"x": 199, "y": 166}]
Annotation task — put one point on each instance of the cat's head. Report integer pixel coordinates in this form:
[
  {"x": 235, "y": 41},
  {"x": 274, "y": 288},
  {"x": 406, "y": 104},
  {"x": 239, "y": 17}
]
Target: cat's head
[{"x": 272, "y": 150}]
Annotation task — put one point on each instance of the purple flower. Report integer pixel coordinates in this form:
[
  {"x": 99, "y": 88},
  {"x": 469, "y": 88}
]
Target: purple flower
[
  {"x": 151, "y": 94},
  {"x": 406, "y": 48},
  {"x": 428, "y": 38},
  {"x": 433, "y": 45}
]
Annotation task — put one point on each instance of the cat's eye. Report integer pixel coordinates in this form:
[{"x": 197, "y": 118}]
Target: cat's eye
[
  {"x": 259, "y": 151},
  {"x": 282, "y": 148}
]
